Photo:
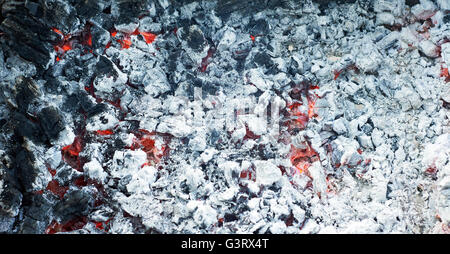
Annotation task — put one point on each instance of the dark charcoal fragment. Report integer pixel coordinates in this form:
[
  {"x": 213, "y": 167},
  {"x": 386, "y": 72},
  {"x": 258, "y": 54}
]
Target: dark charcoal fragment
[
  {"x": 367, "y": 129},
  {"x": 88, "y": 8},
  {"x": 10, "y": 200},
  {"x": 26, "y": 90},
  {"x": 258, "y": 27},
  {"x": 24, "y": 127},
  {"x": 412, "y": 2},
  {"x": 34, "y": 8},
  {"x": 31, "y": 226},
  {"x": 194, "y": 37},
  {"x": 26, "y": 172},
  {"x": 73, "y": 71},
  {"x": 2, "y": 122},
  {"x": 241, "y": 50},
  {"x": 130, "y": 10},
  {"x": 336, "y": 1},
  {"x": 75, "y": 203},
  {"x": 27, "y": 35},
  {"x": 97, "y": 109},
  {"x": 105, "y": 67},
  {"x": 51, "y": 122},
  {"x": 225, "y": 8},
  {"x": 39, "y": 208},
  {"x": 446, "y": 18},
  {"x": 100, "y": 38},
  {"x": 263, "y": 59},
  {"x": 230, "y": 217},
  {"x": 213, "y": 137}
]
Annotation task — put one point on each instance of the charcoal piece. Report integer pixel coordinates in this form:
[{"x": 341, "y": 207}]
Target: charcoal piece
[
  {"x": 51, "y": 122},
  {"x": 263, "y": 59},
  {"x": 100, "y": 38},
  {"x": 60, "y": 14},
  {"x": 105, "y": 67},
  {"x": 2, "y": 122},
  {"x": 173, "y": 60},
  {"x": 76, "y": 101},
  {"x": 65, "y": 175},
  {"x": 39, "y": 208},
  {"x": 335, "y": 1},
  {"x": 12, "y": 7},
  {"x": 75, "y": 203},
  {"x": 412, "y": 2},
  {"x": 194, "y": 38},
  {"x": 446, "y": 18},
  {"x": 25, "y": 170},
  {"x": 52, "y": 85},
  {"x": 81, "y": 101},
  {"x": 210, "y": 88},
  {"x": 26, "y": 42},
  {"x": 10, "y": 201},
  {"x": 26, "y": 91},
  {"x": 258, "y": 27},
  {"x": 230, "y": 217},
  {"x": 367, "y": 129},
  {"x": 32, "y": 226},
  {"x": 73, "y": 71},
  {"x": 241, "y": 50},
  {"x": 225, "y": 8},
  {"x": 336, "y": 154},
  {"x": 88, "y": 8},
  {"x": 25, "y": 127},
  {"x": 34, "y": 8},
  {"x": 130, "y": 10},
  {"x": 96, "y": 109}
]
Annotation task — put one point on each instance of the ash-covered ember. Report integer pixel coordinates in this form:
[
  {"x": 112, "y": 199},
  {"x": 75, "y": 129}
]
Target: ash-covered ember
[{"x": 224, "y": 116}]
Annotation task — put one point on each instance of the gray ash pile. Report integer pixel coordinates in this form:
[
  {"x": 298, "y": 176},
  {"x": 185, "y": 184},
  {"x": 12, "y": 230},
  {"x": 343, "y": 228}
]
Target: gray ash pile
[{"x": 225, "y": 116}]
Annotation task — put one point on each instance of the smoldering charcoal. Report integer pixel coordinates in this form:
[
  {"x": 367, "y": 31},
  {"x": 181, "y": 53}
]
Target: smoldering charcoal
[{"x": 224, "y": 116}]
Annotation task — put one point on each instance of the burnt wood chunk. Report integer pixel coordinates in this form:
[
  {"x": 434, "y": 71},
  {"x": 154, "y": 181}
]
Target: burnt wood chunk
[{"x": 51, "y": 122}]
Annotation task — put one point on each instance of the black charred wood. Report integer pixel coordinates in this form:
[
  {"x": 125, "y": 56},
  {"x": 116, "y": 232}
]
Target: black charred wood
[
  {"x": 74, "y": 204},
  {"x": 26, "y": 171},
  {"x": 51, "y": 122}
]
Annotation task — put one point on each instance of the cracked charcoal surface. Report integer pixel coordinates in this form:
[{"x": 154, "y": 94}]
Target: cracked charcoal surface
[{"x": 136, "y": 116}]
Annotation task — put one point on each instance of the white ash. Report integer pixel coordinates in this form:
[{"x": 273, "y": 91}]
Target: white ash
[{"x": 379, "y": 124}]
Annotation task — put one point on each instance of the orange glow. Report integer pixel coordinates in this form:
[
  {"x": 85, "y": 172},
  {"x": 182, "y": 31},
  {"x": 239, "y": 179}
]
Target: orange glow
[
  {"x": 300, "y": 119},
  {"x": 125, "y": 42},
  {"x": 74, "y": 149},
  {"x": 302, "y": 159},
  {"x": 89, "y": 40},
  {"x": 252, "y": 37},
  {"x": 66, "y": 47},
  {"x": 311, "y": 108},
  {"x": 57, "y": 31},
  {"x": 444, "y": 73},
  {"x": 71, "y": 153},
  {"x": 54, "y": 187},
  {"x": 336, "y": 74},
  {"x": 104, "y": 132},
  {"x": 146, "y": 142},
  {"x": 149, "y": 37}
]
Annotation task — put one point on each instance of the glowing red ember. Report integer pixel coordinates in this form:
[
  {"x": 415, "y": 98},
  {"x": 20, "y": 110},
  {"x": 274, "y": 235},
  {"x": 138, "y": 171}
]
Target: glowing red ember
[
  {"x": 71, "y": 153},
  {"x": 54, "y": 187},
  {"x": 104, "y": 132}
]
